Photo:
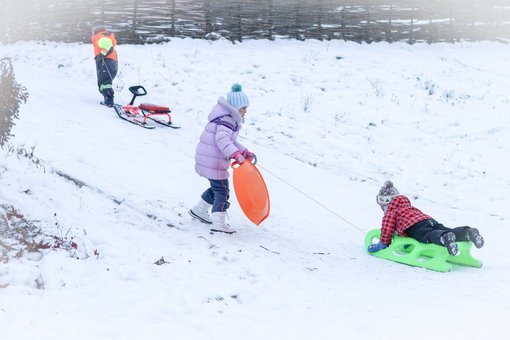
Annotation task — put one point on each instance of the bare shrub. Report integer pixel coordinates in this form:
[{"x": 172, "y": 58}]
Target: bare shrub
[
  {"x": 18, "y": 235},
  {"x": 12, "y": 94}
]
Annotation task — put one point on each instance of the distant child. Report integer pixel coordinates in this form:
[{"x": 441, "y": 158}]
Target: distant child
[
  {"x": 218, "y": 145},
  {"x": 401, "y": 217},
  {"x": 106, "y": 60}
]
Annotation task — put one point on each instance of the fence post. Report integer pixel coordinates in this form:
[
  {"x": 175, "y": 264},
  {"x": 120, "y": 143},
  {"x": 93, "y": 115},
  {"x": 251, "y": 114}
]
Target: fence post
[
  {"x": 171, "y": 5},
  {"x": 135, "y": 11},
  {"x": 390, "y": 35},
  {"x": 270, "y": 21},
  {"x": 342, "y": 23},
  {"x": 368, "y": 37},
  {"x": 411, "y": 31},
  {"x": 3, "y": 21},
  {"x": 452, "y": 25},
  {"x": 320, "y": 7},
  {"x": 297, "y": 23},
  {"x": 239, "y": 26}
]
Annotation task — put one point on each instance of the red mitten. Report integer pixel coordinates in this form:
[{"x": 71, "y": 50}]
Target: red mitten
[
  {"x": 248, "y": 155},
  {"x": 238, "y": 157}
]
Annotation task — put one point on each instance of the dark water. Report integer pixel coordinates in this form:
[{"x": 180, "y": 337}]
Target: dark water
[{"x": 137, "y": 21}]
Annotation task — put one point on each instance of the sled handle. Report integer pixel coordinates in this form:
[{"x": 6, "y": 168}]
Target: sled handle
[
  {"x": 235, "y": 164},
  {"x": 137, "y": 91}
]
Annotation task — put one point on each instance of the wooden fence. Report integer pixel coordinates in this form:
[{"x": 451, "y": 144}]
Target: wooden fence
[{"x": 137, "y": 21}]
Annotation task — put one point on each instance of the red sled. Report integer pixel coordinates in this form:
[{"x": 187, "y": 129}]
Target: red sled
[
  {"x": 251, "y": 191},
  {"x": 139, "y": 115}
]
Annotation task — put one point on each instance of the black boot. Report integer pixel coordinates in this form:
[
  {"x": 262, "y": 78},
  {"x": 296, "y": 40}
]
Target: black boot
[
  {"x": 448, "y": 240},
  {"x": 108, "y": 97},
  {"x": 474, "y": 236}
]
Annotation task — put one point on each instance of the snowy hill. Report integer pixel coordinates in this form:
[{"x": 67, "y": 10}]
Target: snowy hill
[{"x": 329, "y": 122}]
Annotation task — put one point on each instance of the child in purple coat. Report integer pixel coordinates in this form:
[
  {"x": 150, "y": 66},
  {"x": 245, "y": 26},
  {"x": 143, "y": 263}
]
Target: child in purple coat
[{"x": 218, "y": 145}]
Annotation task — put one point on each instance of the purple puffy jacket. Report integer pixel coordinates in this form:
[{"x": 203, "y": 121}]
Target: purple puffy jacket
[{"x": 218, "y": 141}]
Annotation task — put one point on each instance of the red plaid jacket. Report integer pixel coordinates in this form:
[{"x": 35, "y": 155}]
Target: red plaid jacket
[{"x": 399, "y": 216}]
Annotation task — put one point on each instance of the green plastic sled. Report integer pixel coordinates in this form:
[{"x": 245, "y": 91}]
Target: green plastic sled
[{"x": 431, "y": 256}]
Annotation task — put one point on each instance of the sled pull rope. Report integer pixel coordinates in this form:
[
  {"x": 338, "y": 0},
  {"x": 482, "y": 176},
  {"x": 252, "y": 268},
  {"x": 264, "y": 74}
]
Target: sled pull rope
[{"x": 312, "y": 199}]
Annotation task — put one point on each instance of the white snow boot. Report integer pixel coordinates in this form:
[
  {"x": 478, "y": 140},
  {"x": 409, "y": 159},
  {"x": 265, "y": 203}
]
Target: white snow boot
[
  {"x": 201, "y": 212},
  {"x": 219, "y": 224}
]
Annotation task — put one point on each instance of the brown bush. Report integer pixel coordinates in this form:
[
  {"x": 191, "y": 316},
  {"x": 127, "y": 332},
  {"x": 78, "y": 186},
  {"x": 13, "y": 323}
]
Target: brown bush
[
  {"x": 18, "y": 235},
  {"x": 12, "y": 94}
]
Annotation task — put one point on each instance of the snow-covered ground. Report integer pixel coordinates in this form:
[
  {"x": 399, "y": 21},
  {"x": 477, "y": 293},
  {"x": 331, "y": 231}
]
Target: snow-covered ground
[{"x": 329, "y": 122}]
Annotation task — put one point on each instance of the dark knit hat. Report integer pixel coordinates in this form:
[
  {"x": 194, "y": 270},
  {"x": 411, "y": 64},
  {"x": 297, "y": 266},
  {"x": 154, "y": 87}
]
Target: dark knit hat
[
  {"x": 386, "y": 194},
  {"x": 98, "y": 26}
]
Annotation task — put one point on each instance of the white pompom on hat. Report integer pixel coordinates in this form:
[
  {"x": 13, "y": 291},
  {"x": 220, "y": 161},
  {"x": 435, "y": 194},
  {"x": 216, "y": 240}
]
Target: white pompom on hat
[
  {"x": 386, "y": 194},
  {"x": 237, "y": 98}
]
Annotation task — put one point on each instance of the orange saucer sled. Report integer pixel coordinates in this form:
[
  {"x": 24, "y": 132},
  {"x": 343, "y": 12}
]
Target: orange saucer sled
[{"x": 251, "y": 191}]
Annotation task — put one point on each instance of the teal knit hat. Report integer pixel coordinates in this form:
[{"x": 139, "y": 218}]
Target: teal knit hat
[{"x": 237, "y": 98}]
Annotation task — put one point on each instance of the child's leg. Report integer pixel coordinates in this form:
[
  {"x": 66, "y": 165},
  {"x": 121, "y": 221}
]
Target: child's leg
[
  {"x": 430, "y": 231},
  {"x": 460, "y": 233},
  {"x": 201, "y": 210},
  {"x": 103, "y": 76},
  {"x": 464, "y": 234},
  {"x": 220, "y": 189},
  {"x": 427, "y": 231},
  {"x": 106, "y": 71},
  {"x": 99, "y": 70},
  {"x": 469, "y": 234},
  {"x": 220, "y": 192},
  {"x": 419, "y": 230},
  {"x": 434, "y": 235},
  {"x": 208, "y": 196},
  {"x": 112, "y": 67}
]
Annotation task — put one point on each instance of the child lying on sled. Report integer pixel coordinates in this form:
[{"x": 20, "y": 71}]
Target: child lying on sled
[{"x": 406, "y": 220}]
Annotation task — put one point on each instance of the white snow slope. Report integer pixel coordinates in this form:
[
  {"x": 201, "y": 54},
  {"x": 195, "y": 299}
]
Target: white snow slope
[{"x": 329, "y": 122}]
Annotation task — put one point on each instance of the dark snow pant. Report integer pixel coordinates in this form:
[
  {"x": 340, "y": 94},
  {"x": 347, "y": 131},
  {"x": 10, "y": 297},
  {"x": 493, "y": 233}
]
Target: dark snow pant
[
  {"x": 430, "y": 231},
  {"x": 106, "y": 71},
  {"x": 217, "y": 195}
]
